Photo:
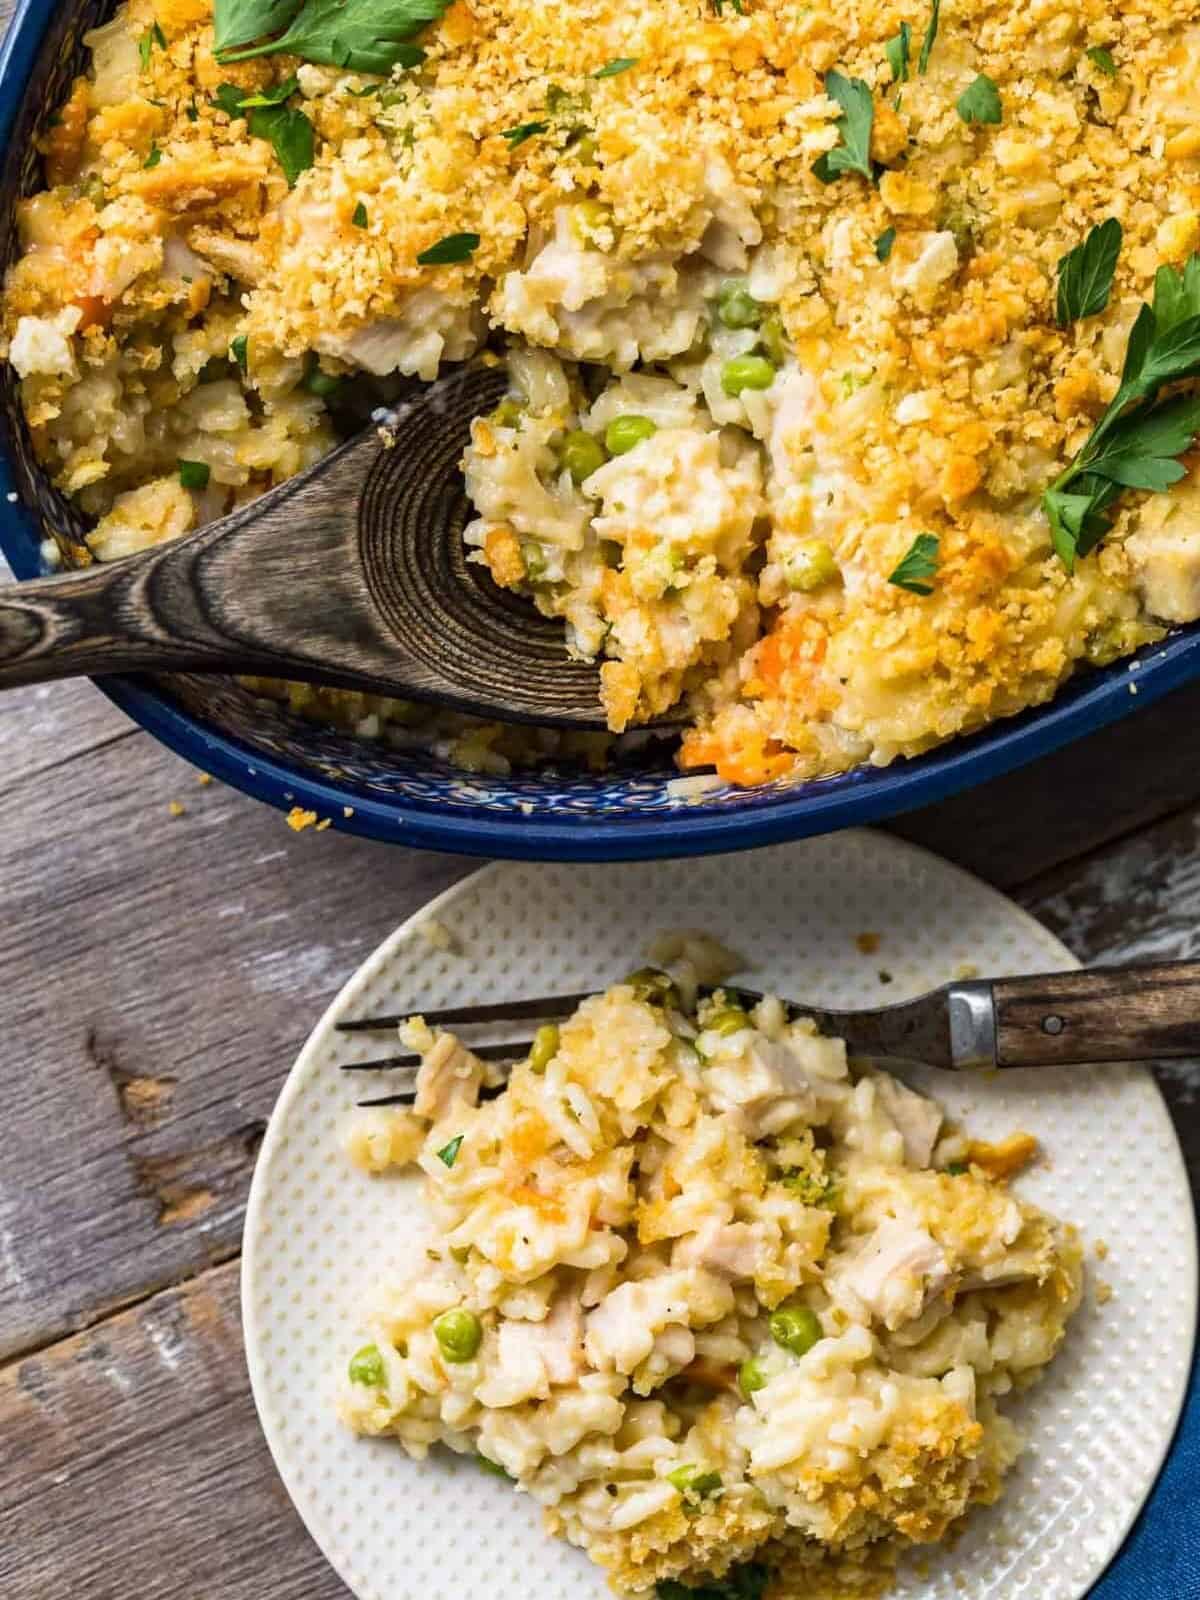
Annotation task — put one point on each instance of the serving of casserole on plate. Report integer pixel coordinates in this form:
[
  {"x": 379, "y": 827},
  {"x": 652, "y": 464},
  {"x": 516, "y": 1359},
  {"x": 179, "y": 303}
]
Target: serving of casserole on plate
[
  {"x": 845, "y": 344},
  {"x": 815, "y": 1302}
]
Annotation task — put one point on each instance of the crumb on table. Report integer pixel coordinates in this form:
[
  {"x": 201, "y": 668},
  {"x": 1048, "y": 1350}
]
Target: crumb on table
[{"x": 867, "y": 943}]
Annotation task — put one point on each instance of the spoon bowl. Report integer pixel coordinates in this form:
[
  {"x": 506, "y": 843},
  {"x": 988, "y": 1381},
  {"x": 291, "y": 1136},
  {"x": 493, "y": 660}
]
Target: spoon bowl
[{"x": 352, "y": 574}]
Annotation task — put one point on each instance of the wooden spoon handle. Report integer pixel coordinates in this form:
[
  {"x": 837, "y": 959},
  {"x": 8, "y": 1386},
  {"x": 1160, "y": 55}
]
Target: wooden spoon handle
[
  {"x": 105, "y": 619},
  {"x": 1106, "y": 1014}
]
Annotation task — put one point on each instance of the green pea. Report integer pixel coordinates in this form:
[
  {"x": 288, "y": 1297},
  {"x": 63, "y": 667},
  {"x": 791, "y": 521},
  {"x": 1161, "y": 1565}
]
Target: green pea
[
  {"x": 732, "y": 1019},
  {"x": 810, "y": 565},
  {"x": 654, "y": 987},
  {"x": 751, "y": 1377},
  {"x": 746, "y": 372},
  {"x": 736, "y": 306},
  {"x": 322, "y": 384},
  {"x": 796, "y": 1328},
  {"x": 689, "y": 1479},
  {"x": 544, "y": 1048},
  {"x": 508, "y": 413},
  {"x": 534, "y": 559},
  {"x": 582, "y": 453},
  {"x": 458, "y": 1333},
  {"x": 366, "y": 1366},
  {"x": 773, "y": 339},
  {"x": 626, "y": 431}
]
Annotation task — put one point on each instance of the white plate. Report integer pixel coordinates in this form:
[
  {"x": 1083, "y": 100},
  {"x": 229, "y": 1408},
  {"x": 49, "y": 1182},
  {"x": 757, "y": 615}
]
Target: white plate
[{"x": 318, "y": 1233}]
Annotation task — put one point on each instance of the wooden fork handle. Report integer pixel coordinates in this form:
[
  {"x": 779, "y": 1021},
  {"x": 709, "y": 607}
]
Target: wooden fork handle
[{"x": 1105, "y": 1014}]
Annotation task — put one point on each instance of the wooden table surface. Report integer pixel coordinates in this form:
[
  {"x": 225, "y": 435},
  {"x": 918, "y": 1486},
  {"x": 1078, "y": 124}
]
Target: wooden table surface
[{"x": 158, "y": 973}]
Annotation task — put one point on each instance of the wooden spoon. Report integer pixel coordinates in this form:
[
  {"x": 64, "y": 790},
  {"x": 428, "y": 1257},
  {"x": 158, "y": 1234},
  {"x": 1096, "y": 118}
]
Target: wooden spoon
[{"x": 352, "y": 574}]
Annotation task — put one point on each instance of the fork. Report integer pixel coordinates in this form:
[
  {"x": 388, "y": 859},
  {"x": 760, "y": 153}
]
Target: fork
[
  {"x": 1136, "y": 1013},
  {"x": 354, "y": 574}
]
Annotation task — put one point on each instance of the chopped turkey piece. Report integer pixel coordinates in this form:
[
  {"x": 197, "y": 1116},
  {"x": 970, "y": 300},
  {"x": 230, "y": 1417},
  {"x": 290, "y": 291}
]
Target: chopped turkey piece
[
  {"x": 730, "y": 1248},
  {"x": 1166, "y": 564},
  {"x": 918, "y": 1119},
  {"x": 530, "y": 1356},
  {"x": 238, "y": 258},
  {"x": 449, "y": 1074},
  {"x": 766, "y": 1084},
  {"x": 893, "y": 1277},
  {"x": 621, "y": 1330}
]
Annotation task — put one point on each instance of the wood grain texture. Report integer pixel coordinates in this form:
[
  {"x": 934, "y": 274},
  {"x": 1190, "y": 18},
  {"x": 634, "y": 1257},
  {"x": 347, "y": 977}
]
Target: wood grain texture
[
  {"x": 1106, "y": 1014},
  {"x": 133, "y": 1465},
  {"x": 157, "y": 974}
]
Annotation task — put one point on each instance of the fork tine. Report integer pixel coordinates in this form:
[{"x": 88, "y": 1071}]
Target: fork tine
[
  {"x": 489, "y": 1091},
  {"x": 513, "y": 1051},
  {"x": 551, "y": 1006}
]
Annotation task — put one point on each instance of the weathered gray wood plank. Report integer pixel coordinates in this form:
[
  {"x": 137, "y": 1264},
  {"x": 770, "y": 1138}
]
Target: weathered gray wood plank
[
  {"x": 133, "y": 1464},
  {"x": 157, "y": 974}
]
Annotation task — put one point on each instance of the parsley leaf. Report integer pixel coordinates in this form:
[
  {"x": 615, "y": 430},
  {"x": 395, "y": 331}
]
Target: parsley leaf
[
  {"x": 272, "y": 97},
  {"x": 239, "y": 349},
  {"x": 361, "y": 35},
  {"x": 155, "y": 156},
  {"x": 621, "y": 64},
  {"x": 360, "y": 218},
  {"x": 228, "y": 99},
  {"x": 1102, "y": 60},
  {"x": 194, "y": 474},
  {"x": 291, "y": 135},
  {"x": 453, "y": 248},
  {"x": 152, "y": 36},
  {"x": 931, "y": 33},
  {"x": 240, "y": 22},
  {"x": 919, "y": 565},
  {"x": 448, "y": 1154},
  {"x": 854, "y": 125},
  {"x": 1176, "y": 295},
  {"x": 897, "y": 51},
  {"x": 523, "y": 131},
  {"x": 884, "y": 243},
  {"x": 980, "y": 101},
  {"x": 1085, "y": 274},
  {"x": 1137, "y": 441}
]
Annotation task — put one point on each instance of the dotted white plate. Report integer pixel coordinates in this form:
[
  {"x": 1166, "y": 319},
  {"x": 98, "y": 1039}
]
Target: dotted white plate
[{"x": 319, "y": 1233}]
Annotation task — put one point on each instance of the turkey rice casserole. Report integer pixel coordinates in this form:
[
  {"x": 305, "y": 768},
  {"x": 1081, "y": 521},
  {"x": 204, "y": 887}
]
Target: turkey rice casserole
[
  {"x": 738, "y": 1313},
  {"x": 807, "y": 308}
]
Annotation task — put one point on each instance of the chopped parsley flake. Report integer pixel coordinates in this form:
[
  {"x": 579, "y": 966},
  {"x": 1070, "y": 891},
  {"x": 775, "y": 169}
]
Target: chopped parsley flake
[
  {"x": 931, "y": 33},
  {"x": 884, "y": 243},
  {"x": 621, "y": 64},
  {"x": 853, "y": 152},
  {"x": 898, "y": 52},
  {"x": 980, "y": 101},
  {"x": 448, "y": 1154},
  {"x": 453, "y": 248},
  {"x": 1102, "y": 60},
  {"x": 523, "y": 131},
  {"x": 919, "y": 565}
]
